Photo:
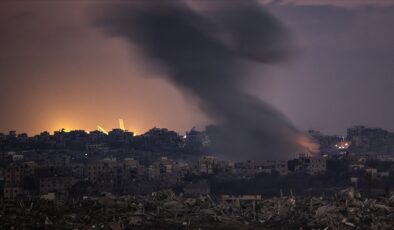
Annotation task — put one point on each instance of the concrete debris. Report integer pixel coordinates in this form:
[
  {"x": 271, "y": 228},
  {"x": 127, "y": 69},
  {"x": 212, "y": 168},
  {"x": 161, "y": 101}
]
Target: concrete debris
[
  {"x": 325, "y": 210},
  {"x": 347, "y": 210}
]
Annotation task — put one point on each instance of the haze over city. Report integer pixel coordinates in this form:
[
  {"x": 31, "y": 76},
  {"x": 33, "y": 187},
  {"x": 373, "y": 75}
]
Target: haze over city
[
  {"x": 197, "y": 114},
  {"x": 60, "y": 70}
]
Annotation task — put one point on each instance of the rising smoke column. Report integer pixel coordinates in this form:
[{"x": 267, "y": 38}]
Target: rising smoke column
[{"x": 201, "y": 52}]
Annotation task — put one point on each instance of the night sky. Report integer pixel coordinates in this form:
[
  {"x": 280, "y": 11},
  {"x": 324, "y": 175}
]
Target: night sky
[{"x": 59, "y": 70}]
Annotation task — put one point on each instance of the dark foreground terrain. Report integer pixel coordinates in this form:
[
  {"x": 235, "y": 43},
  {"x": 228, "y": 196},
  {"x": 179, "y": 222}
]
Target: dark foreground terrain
[{"x": 164, "y": 210}]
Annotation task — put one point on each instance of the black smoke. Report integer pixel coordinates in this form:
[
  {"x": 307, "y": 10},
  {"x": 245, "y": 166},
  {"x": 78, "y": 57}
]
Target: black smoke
[{"x": 202, "y": 52}]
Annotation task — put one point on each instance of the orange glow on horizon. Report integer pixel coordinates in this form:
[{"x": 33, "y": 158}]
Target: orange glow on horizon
[
  {"x": 65, "y": 124},
  {"x": 69, "y": 126}
]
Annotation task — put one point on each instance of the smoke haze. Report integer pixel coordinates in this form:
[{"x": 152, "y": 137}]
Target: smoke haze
[{"x": 201, "y": 53}]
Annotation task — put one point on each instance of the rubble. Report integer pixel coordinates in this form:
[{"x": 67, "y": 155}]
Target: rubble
[{"x": 346, "y": 210}]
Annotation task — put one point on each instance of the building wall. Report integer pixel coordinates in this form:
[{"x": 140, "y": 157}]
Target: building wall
[{"x": 13, "y": 177}]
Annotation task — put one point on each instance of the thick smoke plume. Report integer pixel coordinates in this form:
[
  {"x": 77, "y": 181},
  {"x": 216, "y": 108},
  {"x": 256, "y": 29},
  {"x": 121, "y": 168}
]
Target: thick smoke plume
[{"x": 202, "y": 51}]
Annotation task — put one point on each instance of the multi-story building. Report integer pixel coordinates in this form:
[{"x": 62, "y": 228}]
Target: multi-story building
[
  {"x": 371, "y": 140},
  {"x": 60, "y": 185},
  {"x": 312, "y": 165},
  {"x": 13, "y": 178},
  {"x": 96, "y": 169},
  {"x": 107, "y": 175},
  {"x": 207, "y": 164},
  {"x": 29, "y": 167},
  {"x": 270, "y": 166},
  {"x": 133, "y": 167}
]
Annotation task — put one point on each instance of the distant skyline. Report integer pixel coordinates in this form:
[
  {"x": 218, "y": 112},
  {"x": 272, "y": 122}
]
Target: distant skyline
[{"x": 59, "y": 71}]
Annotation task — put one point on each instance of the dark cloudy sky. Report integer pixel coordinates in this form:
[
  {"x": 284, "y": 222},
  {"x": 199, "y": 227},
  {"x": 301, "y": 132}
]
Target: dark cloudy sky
[{"x": 58, "y": 70}]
